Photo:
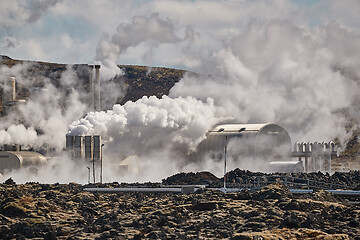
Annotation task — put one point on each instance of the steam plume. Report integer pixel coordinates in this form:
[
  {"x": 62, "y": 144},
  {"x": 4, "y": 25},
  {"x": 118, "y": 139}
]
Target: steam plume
[{"x": 152, "y": 31}]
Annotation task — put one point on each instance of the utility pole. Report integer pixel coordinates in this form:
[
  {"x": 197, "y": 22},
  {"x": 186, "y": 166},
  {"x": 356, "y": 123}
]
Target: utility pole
[
  {"x": 101, "y": 163},
  {"x": 88, "y": 175},
  {"x": 225, "y": 152},
  {"x": 94, "y": 170}
]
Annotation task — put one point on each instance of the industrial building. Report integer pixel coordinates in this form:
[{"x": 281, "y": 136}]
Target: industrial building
[
  {"x": 266, "y": 145},
  {"x": 88, "y": 148},
  {"x": 10, "y": 160},
  {"x": 84, "y": 147},
  {"x": 10, "y": 101},
  {"x": 256, "y": 140}
]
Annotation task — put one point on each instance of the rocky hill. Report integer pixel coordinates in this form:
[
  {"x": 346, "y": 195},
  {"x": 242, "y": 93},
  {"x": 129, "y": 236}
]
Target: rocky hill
[{"x": 139, "y": 81}]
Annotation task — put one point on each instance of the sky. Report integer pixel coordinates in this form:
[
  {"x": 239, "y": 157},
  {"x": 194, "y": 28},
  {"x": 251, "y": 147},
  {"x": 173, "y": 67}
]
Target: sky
[{"x": 64, "y": 31}]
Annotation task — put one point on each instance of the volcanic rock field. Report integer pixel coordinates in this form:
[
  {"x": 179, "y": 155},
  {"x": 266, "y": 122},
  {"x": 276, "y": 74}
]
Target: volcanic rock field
[{"x": 66, "y": 211}]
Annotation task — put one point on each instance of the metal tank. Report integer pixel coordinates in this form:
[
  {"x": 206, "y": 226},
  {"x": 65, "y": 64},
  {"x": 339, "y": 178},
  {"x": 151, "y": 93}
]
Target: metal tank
[
  {"x": 263, "y": 143},
  {"x": 15, "y": 159}
]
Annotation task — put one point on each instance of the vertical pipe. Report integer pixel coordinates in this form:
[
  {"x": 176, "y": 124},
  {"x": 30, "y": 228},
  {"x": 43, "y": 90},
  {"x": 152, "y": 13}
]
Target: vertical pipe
[
  {"x": 13, "y": 84},
  {"x": 91, "y": 82},
  {"x": 101, "y": 164},
  {"x": 93, "y": 162},
  {"x": 97, "y": 77},
  {"x": 225, "y": 152}
]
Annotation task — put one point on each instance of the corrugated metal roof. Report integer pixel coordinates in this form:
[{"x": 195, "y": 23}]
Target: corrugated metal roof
[
  {"x": 26, "y": 157},
  {"x": 239, "y": 127}
]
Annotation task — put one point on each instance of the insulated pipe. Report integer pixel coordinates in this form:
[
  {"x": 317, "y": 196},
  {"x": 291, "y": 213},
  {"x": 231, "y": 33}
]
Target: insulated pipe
[{"x": 144, "y": 190}]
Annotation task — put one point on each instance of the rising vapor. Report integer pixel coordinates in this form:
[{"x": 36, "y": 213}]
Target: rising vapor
[{"x": 301, "y": 75}]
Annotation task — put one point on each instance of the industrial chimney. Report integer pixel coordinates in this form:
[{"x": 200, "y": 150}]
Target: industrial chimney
[
  {"x": 95, "y": 86},
  {"x": 97, "y": 77},
  {"x": 91, "y": 82},
  {"x": 13, "y": 84}
]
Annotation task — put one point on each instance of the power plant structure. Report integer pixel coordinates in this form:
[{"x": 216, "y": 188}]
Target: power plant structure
[
  {"x": 88, "y": 148},
  {"x": 268, "y": 146},
  {"x": 11, "y": 102},
  {"x": 95, "y": 87},
  {"x": 10, "y": 160},
  {"x": 84, "y": 147}
]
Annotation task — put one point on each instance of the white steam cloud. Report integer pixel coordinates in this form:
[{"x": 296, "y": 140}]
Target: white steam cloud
[
  {"x": 152, "y": 31},
  {"x": 302, "y": 78},
  {"x": 157, "y": 131},
  {"x": 150, "y": 124},
  {"x": 278, "y": 72},
  {"x": 47, "y": 113}
]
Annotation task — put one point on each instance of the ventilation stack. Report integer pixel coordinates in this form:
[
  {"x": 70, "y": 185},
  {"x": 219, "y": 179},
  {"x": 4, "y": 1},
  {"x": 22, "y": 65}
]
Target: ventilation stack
[
  {"x": 97, "y": 78},
  {"x": 95, "y": 86},
  {"x": 13, "y": 84},
  {"x": 91, "y": 82}
]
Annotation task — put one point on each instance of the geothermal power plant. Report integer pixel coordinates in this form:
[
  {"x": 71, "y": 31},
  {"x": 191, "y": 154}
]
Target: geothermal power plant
[{"x": 266, "y": 145}]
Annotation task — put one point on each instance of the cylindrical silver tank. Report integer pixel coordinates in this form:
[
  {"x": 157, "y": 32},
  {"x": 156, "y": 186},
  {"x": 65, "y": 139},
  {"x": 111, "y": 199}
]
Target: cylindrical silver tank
[
  {"x": 267, "y": 141},
  {"x": 15, "y": 159}
]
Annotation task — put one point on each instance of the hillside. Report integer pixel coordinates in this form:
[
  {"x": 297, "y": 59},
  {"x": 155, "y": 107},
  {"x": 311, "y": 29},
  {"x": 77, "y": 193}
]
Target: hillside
[{"x": 139, "y": 81}]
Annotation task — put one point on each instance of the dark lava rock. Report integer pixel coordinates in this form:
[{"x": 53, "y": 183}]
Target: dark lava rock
[
  {"x": 205, "y": 206},
  {"x": 50, "y": 236},
  {"x": 321, "y": 195},
  {"x": 10, "y": 181},
  {"x": 292, "y": 220},
  {"x": 273, "y": 191},
  {"x": 65, "y": 211},
  {"x": 242, "y": 195},
  {"x": 200, "y": 178},
  {"x": 13, "y": 209}
]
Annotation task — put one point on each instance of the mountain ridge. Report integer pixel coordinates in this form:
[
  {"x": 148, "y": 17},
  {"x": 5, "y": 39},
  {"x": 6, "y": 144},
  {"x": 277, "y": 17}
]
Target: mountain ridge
[{"x": 138, "y": 81}]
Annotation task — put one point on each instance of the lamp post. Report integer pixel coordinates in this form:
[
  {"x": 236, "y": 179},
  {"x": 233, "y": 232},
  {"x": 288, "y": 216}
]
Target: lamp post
[
  {"x": 94, "y": 169},
  {"x": 225, "y": 152},
  {"x": 101, "y": 163}
]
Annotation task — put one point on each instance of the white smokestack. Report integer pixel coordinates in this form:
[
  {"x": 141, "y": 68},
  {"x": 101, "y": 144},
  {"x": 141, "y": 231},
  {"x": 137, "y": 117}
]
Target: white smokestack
[
  {"x": 91, "y": 82},
  {"x": 97, "y": 77},
  {"x": 13, "y": 85}
]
